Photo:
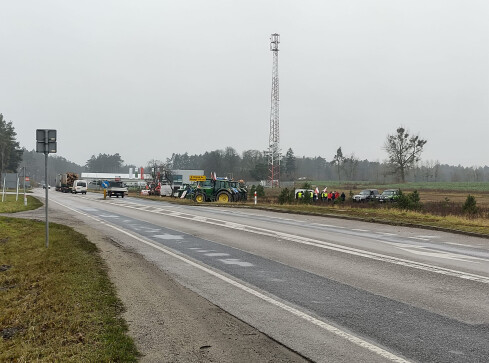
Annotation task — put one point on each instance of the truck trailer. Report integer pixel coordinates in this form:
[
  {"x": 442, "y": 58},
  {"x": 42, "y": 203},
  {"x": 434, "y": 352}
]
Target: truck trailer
[{"x": 64, "y": 182}]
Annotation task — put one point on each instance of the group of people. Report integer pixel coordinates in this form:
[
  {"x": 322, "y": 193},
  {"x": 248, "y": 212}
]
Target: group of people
[
  {"x": 332, "y": 196},
  {"x": 324, "y": 196}
]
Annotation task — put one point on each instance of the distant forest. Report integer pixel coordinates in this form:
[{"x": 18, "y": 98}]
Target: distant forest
[{"x": 251, "y": 165}]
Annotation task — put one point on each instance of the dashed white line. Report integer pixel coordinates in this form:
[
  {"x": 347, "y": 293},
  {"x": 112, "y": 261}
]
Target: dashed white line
[
  {"x": 419, "y": 239},
  {"x": 327, "y": 327}
]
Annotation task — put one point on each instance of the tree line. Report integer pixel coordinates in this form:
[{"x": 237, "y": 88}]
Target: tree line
[{"x": 403, "y": 163}]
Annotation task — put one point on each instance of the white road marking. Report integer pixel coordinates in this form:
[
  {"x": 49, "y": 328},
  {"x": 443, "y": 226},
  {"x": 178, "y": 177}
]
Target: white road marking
[
  {"x": 419, "y": 238},
  {"x": 108, "y": 216},
  {"x": 428, "y": 236},
  {"x": 216, "y": 254},
  {"x": 327, "y": 327},
  {"x": 338, "y": 248},
  {"x": 168, "y": 236},
  {"x": 318, "y": 224},
  {"x": 348, "y": 250},
  {"x": 422, "y": 251},
  {"x": 360, "y": 230},
  {"x": 199, "y": 218},
  {"x": 236, "y": 261},
  {"x": 145, "y": 207},
  {"x": 152, "y": 230}
]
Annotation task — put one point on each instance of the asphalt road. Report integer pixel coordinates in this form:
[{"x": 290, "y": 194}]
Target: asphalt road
[{"x": 329, "y": 289}]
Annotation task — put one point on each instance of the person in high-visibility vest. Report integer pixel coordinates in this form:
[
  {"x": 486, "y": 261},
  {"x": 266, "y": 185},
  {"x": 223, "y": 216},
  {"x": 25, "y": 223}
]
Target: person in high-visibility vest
[{"x": 299, "y": 195}]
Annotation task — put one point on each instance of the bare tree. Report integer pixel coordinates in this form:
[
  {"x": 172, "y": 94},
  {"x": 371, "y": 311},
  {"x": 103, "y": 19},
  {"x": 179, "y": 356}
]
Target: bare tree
[{"x": 403, "y": 151}]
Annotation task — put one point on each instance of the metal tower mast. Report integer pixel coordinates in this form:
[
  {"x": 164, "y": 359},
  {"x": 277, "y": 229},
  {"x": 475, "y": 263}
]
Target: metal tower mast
[{"x": 274, "y": 139}]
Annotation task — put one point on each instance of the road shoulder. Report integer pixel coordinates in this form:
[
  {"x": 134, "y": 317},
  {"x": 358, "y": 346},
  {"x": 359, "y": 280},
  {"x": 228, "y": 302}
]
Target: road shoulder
[{"x": 169, "y": 322}]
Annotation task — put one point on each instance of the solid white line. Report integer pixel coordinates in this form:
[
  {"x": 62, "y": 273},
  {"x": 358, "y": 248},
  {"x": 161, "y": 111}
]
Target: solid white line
[
  {"x": 347, "y": 336},
  {"x": 333, "y": 247},
  {"x": 343, "y": 249}
]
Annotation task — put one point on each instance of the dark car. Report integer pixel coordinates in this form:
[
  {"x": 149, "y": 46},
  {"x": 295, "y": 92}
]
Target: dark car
[
  {"x": 389, "y": 195},
  {"x": 366, "y": 195}
]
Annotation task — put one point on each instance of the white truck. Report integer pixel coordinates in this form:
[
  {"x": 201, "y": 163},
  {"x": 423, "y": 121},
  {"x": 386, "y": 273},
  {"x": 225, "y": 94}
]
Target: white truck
[{"x": 116, "y": 188}]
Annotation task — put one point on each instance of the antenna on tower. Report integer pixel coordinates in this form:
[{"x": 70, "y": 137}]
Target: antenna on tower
[{"x": 274, "y": 139}]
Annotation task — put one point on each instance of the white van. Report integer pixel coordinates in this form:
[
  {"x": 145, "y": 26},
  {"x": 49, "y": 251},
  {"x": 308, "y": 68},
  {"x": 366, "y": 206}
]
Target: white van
[{"x": 80, "y": 186}]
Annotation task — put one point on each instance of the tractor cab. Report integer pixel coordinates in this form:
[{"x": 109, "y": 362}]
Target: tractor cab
[{"x": 213, "y": 190}]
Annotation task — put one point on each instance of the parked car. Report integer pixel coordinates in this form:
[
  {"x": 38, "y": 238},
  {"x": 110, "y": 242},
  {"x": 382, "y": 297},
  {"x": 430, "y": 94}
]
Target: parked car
[
  {"x": 366, "y": 195},
  {"x": 389, "y": 195},
  {"x": 44, "y": 186}
]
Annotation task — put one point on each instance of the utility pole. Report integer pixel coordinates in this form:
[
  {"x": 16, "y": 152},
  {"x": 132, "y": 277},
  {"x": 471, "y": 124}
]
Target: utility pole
[{"x": 274, "y": 139}]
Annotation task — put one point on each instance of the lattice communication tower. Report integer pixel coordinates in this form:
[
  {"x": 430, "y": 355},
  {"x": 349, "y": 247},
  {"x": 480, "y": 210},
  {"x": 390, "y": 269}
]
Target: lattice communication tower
[{"x": 274, "y": 139}]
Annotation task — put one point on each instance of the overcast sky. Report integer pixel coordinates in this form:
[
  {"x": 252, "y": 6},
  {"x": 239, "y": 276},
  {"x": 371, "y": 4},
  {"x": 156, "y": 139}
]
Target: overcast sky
[{"x": 150, "y": 78}]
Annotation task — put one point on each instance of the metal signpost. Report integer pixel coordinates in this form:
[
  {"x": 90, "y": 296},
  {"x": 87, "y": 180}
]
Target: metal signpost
[
  {"x": 46, "y": 144},
  {"x": 105, "y": 185},
  {"x": 3, "y": 189},
  {"x": 25, "y": 179},
  {"x": 17, "y": 191}
]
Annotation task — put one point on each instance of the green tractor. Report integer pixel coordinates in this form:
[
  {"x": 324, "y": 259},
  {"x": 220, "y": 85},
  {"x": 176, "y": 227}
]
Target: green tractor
[{"x": 213, "y": 191}]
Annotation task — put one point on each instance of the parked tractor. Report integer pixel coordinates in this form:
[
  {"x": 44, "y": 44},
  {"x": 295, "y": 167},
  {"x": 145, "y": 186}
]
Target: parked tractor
[
  {"x": 242, "y": 192},
  {"x": 212, "y": 191}
]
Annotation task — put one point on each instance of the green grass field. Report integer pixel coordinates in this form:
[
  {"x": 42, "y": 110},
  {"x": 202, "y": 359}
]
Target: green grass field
[
  {"x": 57, "y": 304},
  {"x": 10, "y": 205}
]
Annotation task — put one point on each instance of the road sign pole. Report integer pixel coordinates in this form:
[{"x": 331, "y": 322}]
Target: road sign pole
[
  {"x": 47, "y": 188},
  {"x": 3, "y": 189},
  {"x": 17, "y": 190},
  {"x": 25, "y": 197},
  {"x": 46, "y": 143}
]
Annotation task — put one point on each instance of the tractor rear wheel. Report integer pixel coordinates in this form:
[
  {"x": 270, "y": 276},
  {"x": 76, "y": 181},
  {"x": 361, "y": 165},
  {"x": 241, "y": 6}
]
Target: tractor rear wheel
[
  {"x": 223, "y": 197},
  {"x": 199, "y": 198}
]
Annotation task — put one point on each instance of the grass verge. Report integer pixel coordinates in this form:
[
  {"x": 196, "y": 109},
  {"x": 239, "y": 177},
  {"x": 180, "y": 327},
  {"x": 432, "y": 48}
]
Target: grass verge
[
  {"x": 386, "y": 215},
  {"x": 10, "y": 205},
  {"x": 478, "y": 226},
  {"x": 57, "y": 304}
]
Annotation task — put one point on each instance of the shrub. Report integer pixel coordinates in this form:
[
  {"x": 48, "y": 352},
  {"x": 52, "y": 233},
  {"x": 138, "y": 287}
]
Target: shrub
[
  {"x": 260, "y": 191},
  {"x": 285, "y": 196},
  {"x": 409, "y": 201},
  {"x": 307, "y": 199},
  {"x": 306, "y": 185},
  {"x": 292, "y": 195},
  {"x": 470, "y": 206}
]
